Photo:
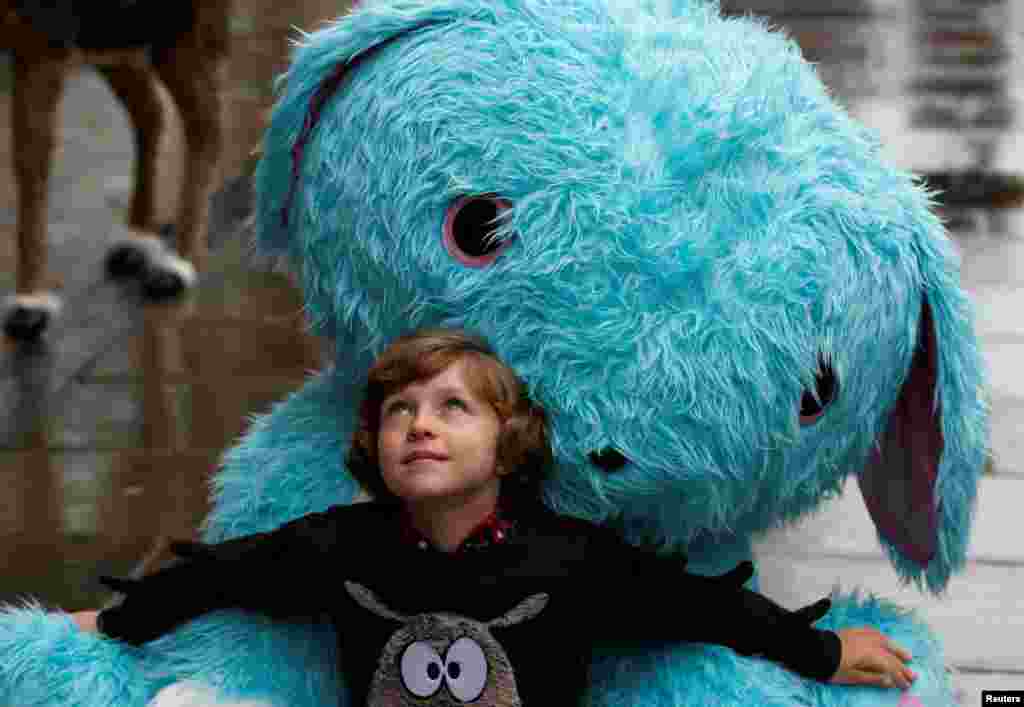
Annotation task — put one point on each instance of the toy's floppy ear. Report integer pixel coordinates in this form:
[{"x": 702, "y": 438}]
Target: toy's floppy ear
[
  {"x": 920, "y": 481},
  {"x": 899, "y": 482},
  {"x": 320, "y": 65}
]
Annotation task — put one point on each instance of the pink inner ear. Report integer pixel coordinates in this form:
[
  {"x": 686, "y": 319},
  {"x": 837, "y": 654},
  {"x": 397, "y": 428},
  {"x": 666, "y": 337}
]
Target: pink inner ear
[{"x": 898, "y": 483}]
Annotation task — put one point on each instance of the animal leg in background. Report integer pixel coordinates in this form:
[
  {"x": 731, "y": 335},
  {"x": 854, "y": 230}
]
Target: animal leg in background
[
  {"x": 190, "y": 65},
  {"x": 34, "y": 114},
  {"x": 192, "y": 76},
  {"x": 193, "y": 79},
  {"x": 136, "y": 88}
]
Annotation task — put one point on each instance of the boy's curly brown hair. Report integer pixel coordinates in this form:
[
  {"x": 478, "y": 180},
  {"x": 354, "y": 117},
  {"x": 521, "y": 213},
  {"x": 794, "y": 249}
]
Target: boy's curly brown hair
[{"x": 523, "y": 446}]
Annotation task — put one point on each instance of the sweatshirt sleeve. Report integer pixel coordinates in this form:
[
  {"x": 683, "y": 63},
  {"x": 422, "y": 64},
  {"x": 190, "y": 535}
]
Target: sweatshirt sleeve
[
  {"x": 650, "y": 596},
  {"x": 274, "y": 573}
]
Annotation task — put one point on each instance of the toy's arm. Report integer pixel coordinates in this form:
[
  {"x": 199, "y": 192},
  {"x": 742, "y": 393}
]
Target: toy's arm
[
  {"x": 260, "y": 572},
  {"x": 657, "y": 599}
]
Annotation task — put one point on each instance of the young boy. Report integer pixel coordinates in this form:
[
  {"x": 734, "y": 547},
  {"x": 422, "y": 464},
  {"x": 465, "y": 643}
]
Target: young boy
[{"x": 454, "y": 453}]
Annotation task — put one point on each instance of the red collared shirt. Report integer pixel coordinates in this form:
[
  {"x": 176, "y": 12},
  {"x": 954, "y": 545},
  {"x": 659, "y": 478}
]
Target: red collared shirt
[{"x": 492, "y": 530}]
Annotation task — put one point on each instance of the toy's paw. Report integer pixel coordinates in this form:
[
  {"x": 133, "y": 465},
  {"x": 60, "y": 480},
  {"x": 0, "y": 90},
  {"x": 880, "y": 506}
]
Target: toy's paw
[
  {"x": 700, "y": 674},
  {"x": 45, "y": 660},
  {"x": 27, "y": 316},
  {"x": 190, "y": 693}
]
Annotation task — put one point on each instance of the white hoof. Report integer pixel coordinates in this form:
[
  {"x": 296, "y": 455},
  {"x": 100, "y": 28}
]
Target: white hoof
[
  {"x": 190, "y": 693},
  {"x": 26, "y": 317},
  {"x": 142, "y": 255},
  {"x": 172, "y": 263},
  {"x": 48, "y": 302}
]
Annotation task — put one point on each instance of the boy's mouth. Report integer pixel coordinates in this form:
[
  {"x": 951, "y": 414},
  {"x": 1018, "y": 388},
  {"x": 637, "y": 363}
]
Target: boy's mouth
[{"x": 423, "y": 455}]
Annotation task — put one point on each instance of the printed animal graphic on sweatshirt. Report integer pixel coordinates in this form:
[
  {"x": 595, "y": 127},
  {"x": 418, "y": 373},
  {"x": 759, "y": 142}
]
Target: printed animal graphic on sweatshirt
[{"x": 444, "y": 659}]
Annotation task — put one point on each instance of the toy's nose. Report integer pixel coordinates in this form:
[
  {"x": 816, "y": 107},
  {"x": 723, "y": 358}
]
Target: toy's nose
[{"x": 608, "y": 459}]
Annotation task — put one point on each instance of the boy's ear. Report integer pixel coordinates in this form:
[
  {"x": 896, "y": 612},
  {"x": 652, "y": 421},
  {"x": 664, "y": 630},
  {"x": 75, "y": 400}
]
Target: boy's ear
[{"x": 511, "y": 437}]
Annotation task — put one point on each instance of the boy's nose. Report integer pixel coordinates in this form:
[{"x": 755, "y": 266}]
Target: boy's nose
[{"x": 418, "y": 429}]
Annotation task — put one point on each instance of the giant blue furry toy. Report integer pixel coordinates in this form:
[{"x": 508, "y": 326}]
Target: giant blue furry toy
[{"x": 705, "y": 271}]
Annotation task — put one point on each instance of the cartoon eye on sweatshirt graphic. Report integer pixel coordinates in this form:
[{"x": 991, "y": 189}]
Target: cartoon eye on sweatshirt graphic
[{"x": 444, "y": 659}]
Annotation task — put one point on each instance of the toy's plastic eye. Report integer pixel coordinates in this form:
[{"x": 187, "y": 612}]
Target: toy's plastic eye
[
  {"x": 813, "y": 405},
  {"x": 470, "y": 229},
  {"x": 608, "y": 459},
  {"x": 466, "y": 669},
  {"x": 422, "y": 669}
]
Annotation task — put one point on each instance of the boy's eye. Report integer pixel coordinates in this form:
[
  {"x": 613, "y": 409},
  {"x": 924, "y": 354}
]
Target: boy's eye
[
  {"x": 456, "y": 403},
  {"x": 396, "y": 407}
]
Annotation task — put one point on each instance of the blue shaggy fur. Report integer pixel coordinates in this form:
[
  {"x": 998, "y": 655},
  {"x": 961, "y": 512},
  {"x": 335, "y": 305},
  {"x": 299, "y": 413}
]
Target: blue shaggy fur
[{"x": 697, "y": 237}]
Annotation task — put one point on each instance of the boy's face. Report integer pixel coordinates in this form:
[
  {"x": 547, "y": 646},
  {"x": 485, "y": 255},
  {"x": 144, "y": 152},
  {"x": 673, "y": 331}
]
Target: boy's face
[{"x": 438, "y": 440}]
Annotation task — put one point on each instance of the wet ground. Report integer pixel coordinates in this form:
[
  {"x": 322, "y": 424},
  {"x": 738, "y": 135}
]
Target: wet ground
[{"x": 110, "y": 429}]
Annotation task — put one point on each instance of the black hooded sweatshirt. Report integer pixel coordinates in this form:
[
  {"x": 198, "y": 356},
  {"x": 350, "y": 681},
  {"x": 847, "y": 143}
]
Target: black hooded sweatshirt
[{"x": 590, "y": 585}]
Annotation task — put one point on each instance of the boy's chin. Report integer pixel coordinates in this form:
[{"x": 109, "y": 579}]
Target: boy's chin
[
  {"x": 421, "y": 495},
  {"x": 427, "y": 490},
  {"x": 437, "y": 492}
]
